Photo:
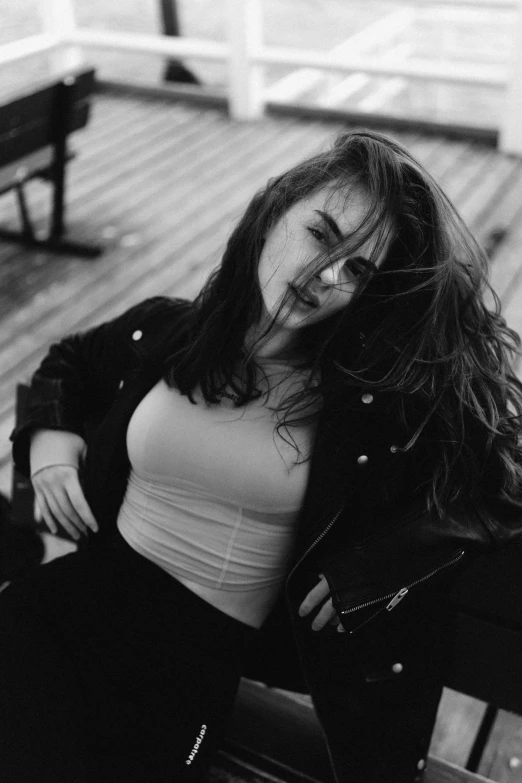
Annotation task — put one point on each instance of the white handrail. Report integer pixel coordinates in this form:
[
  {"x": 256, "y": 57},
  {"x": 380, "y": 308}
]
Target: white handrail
[
  {"x": 42, "y": 43},
  {"x": 425, "y": 70},
  {"x": 507, "y": 5},
  {"x": 59, "y": 20},
  {"x": 148, "y": 43},
  {"x": 415, "y": 68},
  {"x": 511, "y": 122}
]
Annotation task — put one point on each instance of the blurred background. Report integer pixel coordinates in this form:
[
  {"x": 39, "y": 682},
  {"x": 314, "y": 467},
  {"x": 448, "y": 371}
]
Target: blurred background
[{"x": 476, "y": 35}]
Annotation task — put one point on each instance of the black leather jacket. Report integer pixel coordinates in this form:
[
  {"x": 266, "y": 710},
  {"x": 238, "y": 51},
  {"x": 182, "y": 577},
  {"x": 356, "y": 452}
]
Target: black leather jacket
[{"x": 389, "y": 562}]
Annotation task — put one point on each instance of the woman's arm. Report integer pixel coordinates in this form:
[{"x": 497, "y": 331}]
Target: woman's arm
[
  {"x": 55, "y": 447},
  {"x": 78, "y": 378},
  {"x": 72, "y": 390}
]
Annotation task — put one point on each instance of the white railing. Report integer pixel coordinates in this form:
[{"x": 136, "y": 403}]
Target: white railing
[{"x": 247, "y": 55}]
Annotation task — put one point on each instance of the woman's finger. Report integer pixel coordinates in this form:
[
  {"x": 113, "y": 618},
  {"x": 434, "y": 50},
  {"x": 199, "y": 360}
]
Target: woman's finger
[
  {"x": 323, "y": 617},
  {"x": 59, "y": 516},
  {"x": 79, "y": 503},
  {"x": 315, "y": 597},
  {"x": 45, "y": 512},
  {"x": 63, "y": 501},
  {"x": 56, "y": 483}
]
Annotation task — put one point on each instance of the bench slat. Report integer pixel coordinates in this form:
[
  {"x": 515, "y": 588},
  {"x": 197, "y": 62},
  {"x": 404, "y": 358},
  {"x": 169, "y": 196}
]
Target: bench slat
[
  {"x": 439, "y": 771},
  {"x": 33, "y": 121}
]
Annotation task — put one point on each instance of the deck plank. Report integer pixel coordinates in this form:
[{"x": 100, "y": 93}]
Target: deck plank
[
  {"x": 458, "y": 720},
  {"x": 502, "y": 759}
]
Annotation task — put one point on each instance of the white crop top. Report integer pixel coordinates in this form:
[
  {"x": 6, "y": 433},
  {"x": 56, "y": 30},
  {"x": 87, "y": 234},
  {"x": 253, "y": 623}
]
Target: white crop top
[{"x": 213, "y": 496}]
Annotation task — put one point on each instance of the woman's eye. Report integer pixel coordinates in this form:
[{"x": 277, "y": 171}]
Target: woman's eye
[
  {"x": 317, "y": 234},
  {"x": 358, "y": 269},
  {"x": 353, "y": 269}
]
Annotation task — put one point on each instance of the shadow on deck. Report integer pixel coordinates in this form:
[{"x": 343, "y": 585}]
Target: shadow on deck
[{"x": 161, "y": 184}]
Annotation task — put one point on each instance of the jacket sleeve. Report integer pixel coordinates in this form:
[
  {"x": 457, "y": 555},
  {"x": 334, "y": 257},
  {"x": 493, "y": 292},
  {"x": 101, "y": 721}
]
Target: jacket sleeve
[{"x": 78, "y": 378}]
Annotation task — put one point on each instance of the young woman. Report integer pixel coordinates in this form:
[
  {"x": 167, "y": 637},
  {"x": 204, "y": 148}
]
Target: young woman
[{"x": 309, "y": 452}]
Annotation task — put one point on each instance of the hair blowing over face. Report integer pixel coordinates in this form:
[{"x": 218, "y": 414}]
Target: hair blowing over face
[{"x": 427, "y": 331}]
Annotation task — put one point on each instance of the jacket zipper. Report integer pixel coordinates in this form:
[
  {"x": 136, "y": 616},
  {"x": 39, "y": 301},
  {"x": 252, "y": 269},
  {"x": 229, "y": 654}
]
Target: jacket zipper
[
  {"x": 314, "y": 544},
  {"x": 330, "y": 756},
  {"x": 396, "y": 598}
]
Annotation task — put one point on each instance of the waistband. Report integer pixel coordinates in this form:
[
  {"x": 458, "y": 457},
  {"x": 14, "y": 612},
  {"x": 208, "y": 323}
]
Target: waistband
[{"x": 152, "y": 578}]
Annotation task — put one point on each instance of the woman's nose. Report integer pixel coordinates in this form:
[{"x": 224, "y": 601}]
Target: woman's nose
[{"x": 331, "y": 274}]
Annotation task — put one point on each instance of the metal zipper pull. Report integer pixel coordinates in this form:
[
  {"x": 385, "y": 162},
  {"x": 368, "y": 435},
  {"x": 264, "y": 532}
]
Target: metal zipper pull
[{"x": 397, "y": 599}]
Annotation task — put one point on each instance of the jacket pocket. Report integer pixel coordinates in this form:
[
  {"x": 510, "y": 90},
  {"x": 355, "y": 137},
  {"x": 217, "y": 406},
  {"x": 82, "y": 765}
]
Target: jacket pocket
[{"x": 388, "y": 602}]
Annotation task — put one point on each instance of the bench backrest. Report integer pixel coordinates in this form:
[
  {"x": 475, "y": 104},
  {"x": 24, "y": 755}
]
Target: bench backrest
[{"x": 40, "y": 117}]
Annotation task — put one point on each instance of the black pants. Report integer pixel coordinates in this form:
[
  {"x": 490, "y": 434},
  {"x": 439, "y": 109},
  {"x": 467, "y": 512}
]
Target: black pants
[{"x": 112, "y": 671}]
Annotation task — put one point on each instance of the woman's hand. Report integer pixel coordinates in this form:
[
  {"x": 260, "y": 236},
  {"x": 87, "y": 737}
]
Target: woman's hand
[
  {"x": 61, "y": 500},
  {"x": 55, "y": 456},
  {"x": 327, "y": 615}
]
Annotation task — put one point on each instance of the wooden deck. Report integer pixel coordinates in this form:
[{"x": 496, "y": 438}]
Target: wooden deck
[{"x": 161, "y": 184}]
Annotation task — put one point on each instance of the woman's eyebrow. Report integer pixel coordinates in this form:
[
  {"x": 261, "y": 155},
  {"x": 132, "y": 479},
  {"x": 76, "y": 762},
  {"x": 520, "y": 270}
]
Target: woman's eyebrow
[
  {"x": 330, "y": 222},
  {"x": 328, "y": 219}
]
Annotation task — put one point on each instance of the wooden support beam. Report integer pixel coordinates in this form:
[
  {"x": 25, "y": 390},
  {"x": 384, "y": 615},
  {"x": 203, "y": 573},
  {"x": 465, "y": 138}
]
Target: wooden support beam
[
  {"x": 59, "y": 21},
  {"x": 511, "y": 122},
  {"x": 244, "y": 25}
]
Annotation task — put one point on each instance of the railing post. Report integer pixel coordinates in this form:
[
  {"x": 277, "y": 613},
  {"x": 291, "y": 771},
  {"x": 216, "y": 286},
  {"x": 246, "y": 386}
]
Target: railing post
[
  {"x": 511, "y": 121},
  {"x": 59, "y": 20},
  {"x": 244, "y": 24}
]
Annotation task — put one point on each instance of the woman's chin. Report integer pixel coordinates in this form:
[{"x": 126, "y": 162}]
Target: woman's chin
[{"x": 296, "y": 316}]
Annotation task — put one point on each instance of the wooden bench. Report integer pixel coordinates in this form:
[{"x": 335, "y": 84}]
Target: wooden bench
[
  {"x": 34, "y": 128},
  {"x": 273, "y": 733}
]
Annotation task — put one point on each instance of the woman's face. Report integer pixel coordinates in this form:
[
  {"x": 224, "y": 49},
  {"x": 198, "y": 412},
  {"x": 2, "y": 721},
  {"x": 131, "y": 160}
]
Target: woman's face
[{"x": 308, "y": 228}]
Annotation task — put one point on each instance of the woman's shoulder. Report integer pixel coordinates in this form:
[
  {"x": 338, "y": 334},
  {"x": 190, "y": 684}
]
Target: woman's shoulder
[
  {"x": 155, "y": 317},
  {"x": 158, "y": 307},
  {"x": 149, "y": 328}
]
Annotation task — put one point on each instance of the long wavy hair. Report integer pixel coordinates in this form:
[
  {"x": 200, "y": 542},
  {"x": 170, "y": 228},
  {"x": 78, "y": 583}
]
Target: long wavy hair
[{"x": 417, "y": 325}]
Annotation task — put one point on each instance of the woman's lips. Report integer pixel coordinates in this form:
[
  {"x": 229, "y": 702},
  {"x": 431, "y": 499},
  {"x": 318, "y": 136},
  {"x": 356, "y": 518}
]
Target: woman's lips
[{"x": 305, "y": 297}]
